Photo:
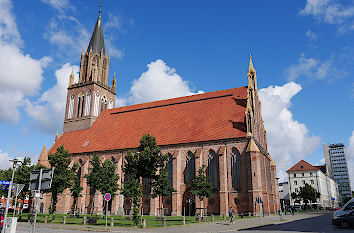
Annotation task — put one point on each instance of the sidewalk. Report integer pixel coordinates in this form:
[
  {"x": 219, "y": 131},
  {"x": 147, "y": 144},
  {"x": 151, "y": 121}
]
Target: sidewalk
[{"x": 223, "y": 226}]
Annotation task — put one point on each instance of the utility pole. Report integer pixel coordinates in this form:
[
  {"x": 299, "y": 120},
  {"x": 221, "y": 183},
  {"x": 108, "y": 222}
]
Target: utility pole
[{"x": 14, "y": 161}]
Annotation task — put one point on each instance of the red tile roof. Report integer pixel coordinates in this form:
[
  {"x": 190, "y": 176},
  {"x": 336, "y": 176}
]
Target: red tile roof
[
  {"x": 203, "y": 117},
  {"x": 303, "y": 166}
]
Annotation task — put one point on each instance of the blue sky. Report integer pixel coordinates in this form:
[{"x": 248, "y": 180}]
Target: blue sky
[{"x": 303, "y": 52}]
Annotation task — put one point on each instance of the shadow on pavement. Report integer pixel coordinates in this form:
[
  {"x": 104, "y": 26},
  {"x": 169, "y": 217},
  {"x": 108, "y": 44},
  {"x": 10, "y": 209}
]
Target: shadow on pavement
[{"x": 314, "y": 224}]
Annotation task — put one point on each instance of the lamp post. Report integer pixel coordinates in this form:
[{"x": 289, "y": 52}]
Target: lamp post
[{"x": 14, "y": 161}]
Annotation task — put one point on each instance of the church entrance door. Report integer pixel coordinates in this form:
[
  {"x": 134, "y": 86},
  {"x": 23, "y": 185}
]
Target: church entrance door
[{"x": 189, "y": 204}]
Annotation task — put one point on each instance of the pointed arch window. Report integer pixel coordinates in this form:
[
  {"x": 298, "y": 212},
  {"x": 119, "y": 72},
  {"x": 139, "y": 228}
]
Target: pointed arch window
[
  {"x": 235, "y": 169},
  {"x": 212, "y": 169},
  {"x": 88, "y": 103},
  {"x": 189, "y": 172},
  {"x": 113, "y": 160},
  {"x": 249, "y": 122},
  {"x": 169, "y": 169},
  {"x": 146, "y": 186},
  {"x": 110, "y": 104},
  {"x": 103, "y": 103},
  {"x": 79, "y": 170},
  {"x": 96, "y": 105},
  {"x": 71, "y": 107}
]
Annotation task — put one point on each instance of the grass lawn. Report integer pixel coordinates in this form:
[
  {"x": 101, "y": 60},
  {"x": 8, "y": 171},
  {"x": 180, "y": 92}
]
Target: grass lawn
[{"x": 119, "y": 221}]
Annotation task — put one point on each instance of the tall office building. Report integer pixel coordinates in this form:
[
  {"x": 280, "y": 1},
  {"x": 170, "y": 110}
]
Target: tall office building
[{"x": 337, "y": 167}]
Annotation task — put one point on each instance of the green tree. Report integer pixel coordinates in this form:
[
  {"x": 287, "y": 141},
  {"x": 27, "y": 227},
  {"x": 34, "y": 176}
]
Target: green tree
[
  {"x": 201, "y": 187},
  {"x": 308, "y": 193},
  {"x": 161, "y": 187},
  {"x": 64, "y": 176},
  {"x": 143, "y": 163},
  {"x": 102, "y": 178}
]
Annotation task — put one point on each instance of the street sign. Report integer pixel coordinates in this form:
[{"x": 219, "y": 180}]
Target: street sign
[
  {"x": 107, "y": 196},
  {"x": 5, "y": 182},
  {"x": 332, "y": 198},
  {"x": 46, "y": 182},
  {"x": 17, "y": 188}
]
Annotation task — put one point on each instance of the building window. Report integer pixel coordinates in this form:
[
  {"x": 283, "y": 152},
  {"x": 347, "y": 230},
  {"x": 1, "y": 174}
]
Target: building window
[
  {"x": 71, "y": 107},
  {"x": 88, "y": 104},
  {"x": 96, "y": 105},
  {"x": 303, "y": 181},
  {"x": 296, "y": 190},
  {"x": 294, "y": 175},
  {"x": 295, "y": 182},
  {"x": 169, "y": 170},
  {"x": 310, "y": 173},
  {"x": 212, "y": 169},
  {"x": 235, "y": 169},
  {"x": 312, "y": 182},
  {"x": 189, "y": 172},
  {"x": 303, "y": 174}
]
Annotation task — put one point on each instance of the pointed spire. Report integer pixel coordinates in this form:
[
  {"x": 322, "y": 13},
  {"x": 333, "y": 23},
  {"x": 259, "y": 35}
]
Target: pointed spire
[
  {"x": 97, "y": 41},
  {"x": 43, "y": 157},
  {"x": 114, "y": 82},
  {"x": 250, "y": 65},
  {"x": 56, "y": 136},
  {"x": 71, "y": 77}
]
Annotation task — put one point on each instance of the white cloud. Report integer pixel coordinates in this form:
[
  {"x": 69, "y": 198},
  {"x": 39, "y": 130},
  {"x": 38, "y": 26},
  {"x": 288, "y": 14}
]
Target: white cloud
[
  {"x": 20, "y": 75},
  {"x": 310, "y": 34},
  {"x": 158, "y": 82},
  {"x": 8, "y": 28},
  {"x": 59, "y": 5},
  {"x": 48, "y": 111},
  {"x": 288, "y": 140},
  {"x": 313, "y": 68},
  {"x": 331, "y": 12},
  {"x": 4, "y": 160},
  {"x": 350, "y": 158}
]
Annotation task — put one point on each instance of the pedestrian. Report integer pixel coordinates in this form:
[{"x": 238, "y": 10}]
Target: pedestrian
[
  {"x": 1, "y": 220},
  {"x": 231, "y": 215}
]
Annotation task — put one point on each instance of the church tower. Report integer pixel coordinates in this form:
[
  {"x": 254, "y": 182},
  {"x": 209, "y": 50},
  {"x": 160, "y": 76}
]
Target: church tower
[{"x": 88, "y": 97}]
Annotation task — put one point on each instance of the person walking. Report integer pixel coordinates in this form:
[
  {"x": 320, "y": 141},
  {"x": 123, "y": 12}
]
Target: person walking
[{"x": 231, "y": 215}]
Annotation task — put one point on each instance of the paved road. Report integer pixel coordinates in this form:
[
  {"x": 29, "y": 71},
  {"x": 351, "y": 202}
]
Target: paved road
[{"x": 298, "y": 223}]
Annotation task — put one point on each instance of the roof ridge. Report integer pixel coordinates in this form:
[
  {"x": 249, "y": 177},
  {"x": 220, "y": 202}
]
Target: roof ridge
[{"x": 176, "y": 100}]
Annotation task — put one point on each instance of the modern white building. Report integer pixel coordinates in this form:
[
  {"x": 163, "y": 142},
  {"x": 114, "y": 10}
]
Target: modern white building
[
  {"x": 337, "y": 167},
  {"x": 304, "y": 173}
]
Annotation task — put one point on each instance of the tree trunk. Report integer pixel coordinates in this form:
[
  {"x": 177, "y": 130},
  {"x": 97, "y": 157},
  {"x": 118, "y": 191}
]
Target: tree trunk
[{"x": 201, "y": 210}]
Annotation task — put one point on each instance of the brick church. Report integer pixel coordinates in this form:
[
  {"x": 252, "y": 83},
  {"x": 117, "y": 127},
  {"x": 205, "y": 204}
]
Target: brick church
[{"x": 222, "y": 129}]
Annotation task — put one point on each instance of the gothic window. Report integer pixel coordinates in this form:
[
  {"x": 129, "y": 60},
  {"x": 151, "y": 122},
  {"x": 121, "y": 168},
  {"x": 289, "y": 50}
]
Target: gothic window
[
  {"x": 169, "y": 169},
  {"x": 235, "y": 169},
  {"x": 103, "y": 103},
  {"x": 79, "y": 170},
  {"x": 212, "y": 169},
  {"x": 78, "y": 106},
  {"x": 113, "y": 160},
  {"x": 71, "y": 107},
  {"x": 146, "y": 186},
  {"x": 88, "y": 104},
  {"x": 110, "y": 104},
  {"x": 189, "y": 172},
  {"x": 82, "y": 105},
  {"x": 96, "y": 105}
]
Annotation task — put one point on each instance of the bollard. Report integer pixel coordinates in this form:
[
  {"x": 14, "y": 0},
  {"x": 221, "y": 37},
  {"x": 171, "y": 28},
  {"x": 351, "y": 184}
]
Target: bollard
[
  {"x": 112, "y": 222},
  {"x": 64, "y": 220},
  {"x": 249, "y": 214},
  {"x": 224, "y": 216},
  {"x": 84, "y": 221},
  {"x": 46, "y": 219},
  {"x": 212, "y": 218},
  {"x": 184, "y": 220},
  {"x": 143, "y": 224},
  {"x": 163, "y": 221}
]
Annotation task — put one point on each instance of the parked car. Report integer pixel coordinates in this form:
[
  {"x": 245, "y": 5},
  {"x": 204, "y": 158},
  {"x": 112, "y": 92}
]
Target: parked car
[
  {"x": 344, "y": 216},
  {"x": 345, "y": 221}
]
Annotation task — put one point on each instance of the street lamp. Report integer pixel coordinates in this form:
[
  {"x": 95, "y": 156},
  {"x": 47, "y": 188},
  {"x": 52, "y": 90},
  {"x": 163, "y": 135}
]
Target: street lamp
[{"x": 14, "y": 161}]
